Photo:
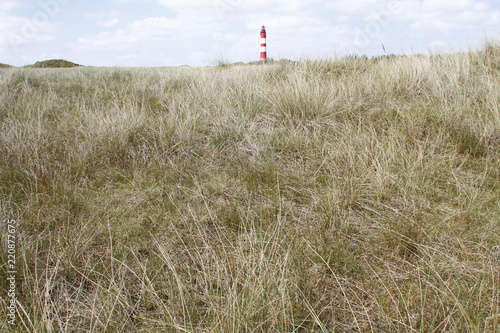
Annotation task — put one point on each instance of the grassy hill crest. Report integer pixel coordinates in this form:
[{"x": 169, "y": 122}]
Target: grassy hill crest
[{"x": 54, "y": 63}]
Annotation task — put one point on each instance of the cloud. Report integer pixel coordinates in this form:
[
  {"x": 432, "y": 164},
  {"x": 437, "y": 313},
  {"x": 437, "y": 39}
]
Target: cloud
[
  {"x": 225, "y": 11},
  {"x": 414, "y": 22},
  {"x": 450, "y": 6},
  {"x": 362, "y": 7},
  {"x": 39, "y": 26},
  {"x": 430, "y": 17},
  {"x": 190, "y": 7},
  {"x": 151, "y": 37},
  {"x": 109, "y": 23},
  {"x": 436, "y": 46},
  {"x": 7, "y": 5},
  {"x": 17, "y": 30},
  {"x": 96, "y": 16}
]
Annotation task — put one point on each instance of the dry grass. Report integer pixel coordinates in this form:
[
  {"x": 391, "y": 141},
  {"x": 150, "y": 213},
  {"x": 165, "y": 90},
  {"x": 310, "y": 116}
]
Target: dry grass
[{"x": 344, "y": 195}]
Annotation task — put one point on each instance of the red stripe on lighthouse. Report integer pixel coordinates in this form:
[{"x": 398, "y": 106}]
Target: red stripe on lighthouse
[{"x": 263, "y": 53}]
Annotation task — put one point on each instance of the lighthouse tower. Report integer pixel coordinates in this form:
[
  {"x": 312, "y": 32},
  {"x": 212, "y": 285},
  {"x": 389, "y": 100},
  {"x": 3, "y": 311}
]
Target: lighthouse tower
[{"x": 263, "y": 53}]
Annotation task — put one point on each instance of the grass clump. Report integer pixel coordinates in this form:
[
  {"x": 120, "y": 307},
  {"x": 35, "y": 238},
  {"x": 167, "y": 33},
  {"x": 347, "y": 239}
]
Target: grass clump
[{"x": 319, "y": 196}]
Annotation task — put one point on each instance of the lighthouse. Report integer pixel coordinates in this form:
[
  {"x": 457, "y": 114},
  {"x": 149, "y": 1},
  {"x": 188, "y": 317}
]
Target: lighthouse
[{"x": 263, "y": 53}]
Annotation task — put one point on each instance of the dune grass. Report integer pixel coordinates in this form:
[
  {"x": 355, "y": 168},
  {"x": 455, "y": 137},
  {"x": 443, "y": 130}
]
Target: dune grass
[
  {"x": 53, "y": 63},
  {"x": 342, "y": 195}
]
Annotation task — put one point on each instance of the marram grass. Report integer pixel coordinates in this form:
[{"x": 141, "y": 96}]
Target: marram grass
[{"x": 343, "y": 195}]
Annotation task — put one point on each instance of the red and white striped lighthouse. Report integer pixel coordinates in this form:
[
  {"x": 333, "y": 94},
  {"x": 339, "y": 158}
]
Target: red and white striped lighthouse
[{"x": 263, "y": 53}]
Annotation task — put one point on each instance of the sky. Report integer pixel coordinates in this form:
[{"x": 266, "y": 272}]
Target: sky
[{"x": 137, "y": 33}]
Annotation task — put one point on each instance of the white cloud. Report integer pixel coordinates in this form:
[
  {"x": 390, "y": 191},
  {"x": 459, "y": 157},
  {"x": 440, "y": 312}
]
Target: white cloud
[
  {"x": 150, "y": 37},
  {"x": 109, "y": 23},
  {"x": 447, "y": 17},
  {"x": 37, "y": 27},
  {"x": 436, "y": 45},
  {"x": 7, "y": 5},
  {"x": 359, "y": 7},
  {"x": 224, "y": 10},
  {"x": 280, "y": 6},
  {"x": 420, "y": 18},
  {"x": 96, "y": 16},
  {"x": 451, "y": 6},
  {"x": 414, "y": 9},
  {"x": 189, "y": 7},
  {"x": 17, "y": 30}
]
